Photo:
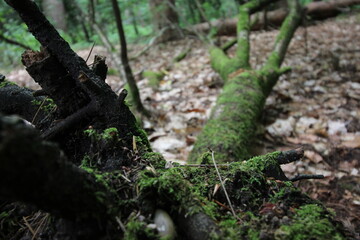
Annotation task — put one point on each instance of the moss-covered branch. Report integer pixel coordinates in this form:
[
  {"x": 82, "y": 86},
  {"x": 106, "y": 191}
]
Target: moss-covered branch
[
  {"x": 221, "y": 63},
  {"x": 234, "y": 119},
  {"x": 243, "y": 30},
  {"x": 282, "y": 42}
]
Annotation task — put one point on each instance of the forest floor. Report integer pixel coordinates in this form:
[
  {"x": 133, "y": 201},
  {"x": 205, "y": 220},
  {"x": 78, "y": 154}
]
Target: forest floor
[{"x": 316, "y": 106}]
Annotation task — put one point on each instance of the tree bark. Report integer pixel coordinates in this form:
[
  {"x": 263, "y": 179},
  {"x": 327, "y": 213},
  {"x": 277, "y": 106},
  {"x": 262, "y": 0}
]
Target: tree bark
[
  {"x": 315, "y": 10},
  {"x": 94, "y": 104}
]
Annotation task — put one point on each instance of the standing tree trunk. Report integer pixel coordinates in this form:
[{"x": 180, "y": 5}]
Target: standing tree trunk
[
  {"x": 55, "y": 10},
  {"x": 125, "y": 62},
  {"x": 165, "y": 19},
  {"x": 133, "y": 20}
]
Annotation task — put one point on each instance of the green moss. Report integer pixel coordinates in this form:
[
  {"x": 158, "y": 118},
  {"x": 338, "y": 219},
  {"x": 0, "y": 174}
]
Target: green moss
[
  {"x": 206, "y": 158},
  {"x": 47, "y": 105},
  {"x": 247, "y": 228},
  {"x": 136, "y": 230},
  {"x": 310, "y": 222},
  {"x": 142, "y": 139},
  {"x": 181, "y": 55},
  {"x": 110, "y": 133},
  {"x": 170, "y": 189},
  {"x": 261, "y": 163},
  {"x": 154, "y": 78},
  {"x": 156, "y": 159},
  {"x": 253, "y": 234},
  {"x": 86, "y": 162},
  {"x": 90, "y": 133},
  {"x": 243, "y": 46},
  {"x": 107, "y": 135},
  {"x": 6, "y": 83},
  {"x": 233, "y": 120},
  {"x": 222, "y": 63},
  {"x": 112, "y": 71},
  {"x": 230, "y": 229}
]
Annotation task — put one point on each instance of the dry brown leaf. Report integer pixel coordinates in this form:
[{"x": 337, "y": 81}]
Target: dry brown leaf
[
  {"x": 352, "y": 141},
  {"x": 313, "y": 156}
]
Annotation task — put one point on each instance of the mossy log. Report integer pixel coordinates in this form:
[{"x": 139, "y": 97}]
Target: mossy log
[
  {"x": 316, "y": 10},
  {"x": 109, "y": 185},
  {"x": 234, "y": 118}
]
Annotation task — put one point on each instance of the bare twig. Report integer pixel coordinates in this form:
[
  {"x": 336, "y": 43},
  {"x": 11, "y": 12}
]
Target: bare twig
[
  {"x": 42, "y": 223},
  {"x": 290, "y": 156},
  {"x": 222, "y": 185},
  {"x": 92, "y": 47},
  {"x": 13, "y": 42},
  {"x": 205, "y": 165},
  {"x": 121, "y": 225},
  {"x": 37, "y": 112},
  {"x": 29, "y": 226},
  {"x": 306, "y": 176}
]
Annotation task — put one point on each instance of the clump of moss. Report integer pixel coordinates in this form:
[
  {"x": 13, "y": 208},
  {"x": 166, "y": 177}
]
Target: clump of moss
[
  {"x": 261, "y": 163},
  {"x": 142, "y": 139},
  {"x": 309, "y": 222},
  {"x": 170, "y": 189},
  {"x": 138, "y": 230},
  {"x": 107, "y": 134},
  {"x": 154, "y": 78},
  {"x": 5, "y": 83},
  {"x": 155, "y": 159},
  {"x": 46, "y": 105}
]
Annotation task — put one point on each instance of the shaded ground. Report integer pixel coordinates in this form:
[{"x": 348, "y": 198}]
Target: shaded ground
[{"x": 317, "y": 105}]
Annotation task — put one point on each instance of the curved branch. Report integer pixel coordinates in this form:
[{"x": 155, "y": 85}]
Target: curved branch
[
  {"x": 13, "y": 42},
  {"x": 243, "y": 30},
  {"x": 285, "y": 35}
]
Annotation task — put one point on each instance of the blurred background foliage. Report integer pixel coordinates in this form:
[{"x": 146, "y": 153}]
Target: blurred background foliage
[{"x": 138, "y": 20}]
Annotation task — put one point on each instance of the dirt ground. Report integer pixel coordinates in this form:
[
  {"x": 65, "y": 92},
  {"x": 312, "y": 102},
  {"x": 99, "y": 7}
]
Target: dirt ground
[{"x": 316, "y": 106}]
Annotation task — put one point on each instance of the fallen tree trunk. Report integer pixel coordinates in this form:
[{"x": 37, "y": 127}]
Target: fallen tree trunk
[
  {"x": 315, "y": 10},
  {"x": 235, "y": 116},
  {"x": 128, "y": 191}
]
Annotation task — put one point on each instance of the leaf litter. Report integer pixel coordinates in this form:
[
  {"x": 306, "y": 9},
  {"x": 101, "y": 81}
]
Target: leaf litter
[{"x": 316, "y": 105}]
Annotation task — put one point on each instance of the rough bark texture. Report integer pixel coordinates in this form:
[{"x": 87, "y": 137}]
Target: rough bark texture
[
  {"x": 93, "y": 103},
  {"x": 315, "y": 10}
]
